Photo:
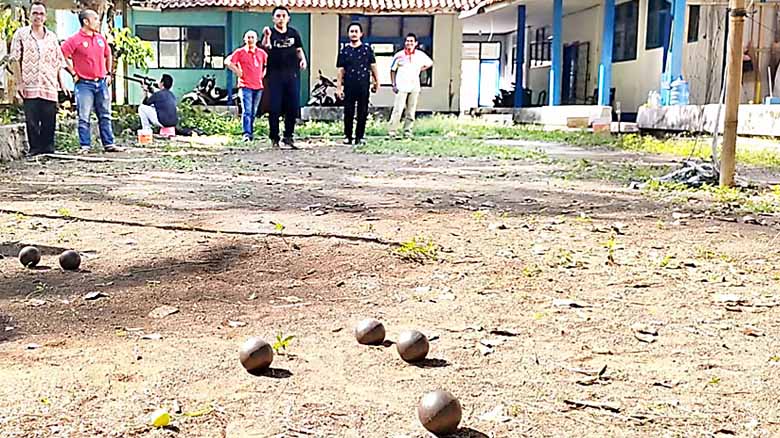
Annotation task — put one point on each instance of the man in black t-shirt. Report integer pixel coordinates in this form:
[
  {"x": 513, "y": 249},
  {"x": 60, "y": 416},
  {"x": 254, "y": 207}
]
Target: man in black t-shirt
[
  {"x": 285, "y": 61},
  {"x": 159, "y": 109},
  {"x": 355, "y": 61}
]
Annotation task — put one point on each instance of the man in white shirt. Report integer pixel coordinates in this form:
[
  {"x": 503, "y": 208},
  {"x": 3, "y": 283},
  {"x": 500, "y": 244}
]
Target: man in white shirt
[{"x": 405, "y": 75}]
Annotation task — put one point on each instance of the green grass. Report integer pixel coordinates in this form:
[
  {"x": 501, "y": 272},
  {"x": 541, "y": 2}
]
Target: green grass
[
  {"x": 456, "y": 147},
  {"x": 748, "y": 200},
  {"x": 623, "y": 172}
]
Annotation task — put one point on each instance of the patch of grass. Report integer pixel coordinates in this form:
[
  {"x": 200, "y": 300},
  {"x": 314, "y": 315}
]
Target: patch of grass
[
  {"x": 177, "y": 162},
  {"x": 442, "y": 147},
  {"x": 67, "y": 142},
  {"x": 417, "y": 250},
  {"x": 282, "y": 342},
  {"x": 623, "y": 172}
]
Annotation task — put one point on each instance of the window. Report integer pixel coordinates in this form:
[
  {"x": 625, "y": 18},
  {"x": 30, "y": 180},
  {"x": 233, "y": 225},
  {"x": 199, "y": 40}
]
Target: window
[
  {"x": 659, "y": 23},
  {"x": 626, "y": 22},
  {"x": 540, "y": 48},
  {"x": 193, "y": 47},
  {"x": 386, "y": 34},
  {"x": 693, "y": 23},
  {"x": 513, "y": 61}
]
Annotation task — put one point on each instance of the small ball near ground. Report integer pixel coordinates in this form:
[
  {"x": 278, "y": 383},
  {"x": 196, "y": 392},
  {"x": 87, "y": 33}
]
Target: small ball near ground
[
  {"x": 370, "y": 332},
  {"x": 412, "y": 346},
  {"x": 439, "y": 412},
  {"x": 30, "y": 256},
  {"x": 70, "y": 260},
  {"x": 256, "y": 355}
]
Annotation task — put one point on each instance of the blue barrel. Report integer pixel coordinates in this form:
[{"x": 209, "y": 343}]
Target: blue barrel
[{"x": 679, "y": 93}]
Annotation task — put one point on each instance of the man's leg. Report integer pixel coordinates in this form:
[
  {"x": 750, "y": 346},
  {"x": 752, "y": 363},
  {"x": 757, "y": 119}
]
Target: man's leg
[
  {"x": 148, "y": 116},
  {"x": 256, "y": 96},
  {"x": 103, "y": 109},
  {"x": 274, "y": 110},
  {"x": 292, "y": 102},
  {"x": 32, "y": 125},
  {"x": 398, "y": 108},
  {"x": 411, "y": 111},
  {"x": 85, "y": 100},
  {"x": 350, "y": 98},
  {"x": 247, "y": 105},
  {"x": 362, "y": 113},
  {"x": 48, "y": 111}
]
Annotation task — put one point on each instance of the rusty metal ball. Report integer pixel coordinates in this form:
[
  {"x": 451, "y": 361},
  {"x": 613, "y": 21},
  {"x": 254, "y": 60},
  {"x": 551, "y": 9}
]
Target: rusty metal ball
[
  {"x": 29, "y": 256},
  {"x": 412, "y": 346},
  {"x": 440, "y": 412},
  {"x": 256, "y": 355},
  {"x": 370, "y": 332},
  {"x": 70, "y": 260}
]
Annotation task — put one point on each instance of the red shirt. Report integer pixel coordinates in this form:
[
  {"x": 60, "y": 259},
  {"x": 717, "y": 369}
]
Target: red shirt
[
  {"x": 89, "y": 54},
  {"x": 252, "y": 65}
]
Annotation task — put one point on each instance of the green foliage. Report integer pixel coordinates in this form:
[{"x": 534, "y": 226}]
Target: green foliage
[
  {"x": 130, "y": 49},
  {"x": 282, "y": 342},
  {"x": 209, "y": 122},
  {"x": 618, "y": 172},
  {"x": 11, "y": 19},
  {"x": 417, "y": 250},
  {"x": 178, "y": 163}
]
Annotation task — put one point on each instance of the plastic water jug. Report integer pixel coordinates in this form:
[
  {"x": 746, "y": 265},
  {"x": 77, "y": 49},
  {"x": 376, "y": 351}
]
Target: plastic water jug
[{"x": 679, "y": 92}]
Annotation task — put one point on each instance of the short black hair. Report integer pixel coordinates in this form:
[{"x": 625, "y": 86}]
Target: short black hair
[
  {"x": 167, "y": 81},
  {"x": 280, "y": 8},
  {"x": 355, "y": 23},
  {"x": 37, "y": 3},
  {"x": 84, "y": 14},
  {"x": 411, "y": 35}
]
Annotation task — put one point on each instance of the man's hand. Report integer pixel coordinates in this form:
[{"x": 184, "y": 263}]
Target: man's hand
[
  {"x": 239, "y": 73},
  {"x": 108, "y": 81},
  {"x": 374, "y": 87},
  {"x": 19, "y": 96},
  {"x": 266, "y": 31},
  {"x": 303, "y": 64},
  {"x": 395, "y": 89},
  {"x": 340, "y": 93}
]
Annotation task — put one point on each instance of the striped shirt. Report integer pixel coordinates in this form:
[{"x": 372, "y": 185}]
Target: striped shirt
[{"x": 41, "y": 61}]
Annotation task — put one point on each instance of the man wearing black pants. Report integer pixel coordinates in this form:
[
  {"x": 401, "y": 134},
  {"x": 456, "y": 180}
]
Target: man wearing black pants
[
  {"x": 354, "y": 63},
  {"x": 285, "y": 61}
]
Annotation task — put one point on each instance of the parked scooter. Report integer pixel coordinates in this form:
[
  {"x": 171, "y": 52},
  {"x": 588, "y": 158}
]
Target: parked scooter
[
  {"x": 207, "y": 93},
  {"x": 324, "y": 93}
]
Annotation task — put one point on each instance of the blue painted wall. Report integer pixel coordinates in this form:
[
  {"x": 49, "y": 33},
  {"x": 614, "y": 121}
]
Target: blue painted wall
[{"x": 185, "y": 79}]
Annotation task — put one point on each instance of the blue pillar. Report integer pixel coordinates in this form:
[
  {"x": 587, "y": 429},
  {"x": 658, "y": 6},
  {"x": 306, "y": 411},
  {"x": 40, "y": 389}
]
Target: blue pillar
[
  {"x": 520, "y": 56},
  {"x": 678, "y": 34},
  {"x": 607, "y": 42},
  {"x": 229, "y": 50},
  {"x": 556, "y": 70}
]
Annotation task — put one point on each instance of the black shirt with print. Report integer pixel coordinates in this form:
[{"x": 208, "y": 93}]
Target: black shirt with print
[
  {"x": 356, "y": 62},
  {"x": 283, "y": 54}
]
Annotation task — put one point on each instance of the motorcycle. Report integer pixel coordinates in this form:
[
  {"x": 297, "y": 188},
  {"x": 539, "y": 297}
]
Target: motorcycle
[
  {"x": 207, "y": 93},
  {"x": 324, "y": 93}
]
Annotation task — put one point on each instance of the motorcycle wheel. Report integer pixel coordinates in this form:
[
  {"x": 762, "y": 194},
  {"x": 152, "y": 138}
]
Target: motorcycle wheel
[{"x": 328, "y": 101}]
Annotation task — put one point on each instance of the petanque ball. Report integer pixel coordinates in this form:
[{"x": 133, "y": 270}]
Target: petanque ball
[
  {"x": 256, "y": 355},
  {"x": 412, "y": 346},
  {"x": 439, "y": 412},
  {"x": 370, "y": 332},
  {"x": 70, "y": 260},
  {"x": 29, "y": 256}
]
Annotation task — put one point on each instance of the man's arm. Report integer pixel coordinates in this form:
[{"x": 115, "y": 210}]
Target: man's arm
[
  {"x": 266, "y": 41},
  {"x": 340, "y": 83},
  {"x": 67, "y": 52},
  {"x": 234, "y": 67},
  {"x": 392, "y": 80},
  {"x": 302, "y": 58},
  {"x": 375, "y": 77},
  {"x": 427, "y": 62}
]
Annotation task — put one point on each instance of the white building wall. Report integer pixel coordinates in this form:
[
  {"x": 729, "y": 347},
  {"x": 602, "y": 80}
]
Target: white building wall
[{"x": 442, "y": 96}]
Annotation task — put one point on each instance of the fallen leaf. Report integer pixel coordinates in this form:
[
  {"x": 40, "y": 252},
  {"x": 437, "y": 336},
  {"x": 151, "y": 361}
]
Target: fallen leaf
[
  {"x": 252, "y": 296},
  {"x": 569, "y": 303},
  {"x": 484, "y": 349},
  {"x": 491, "y": 342},
  {"x": 644, "y": 329},
  {"x": 152, "y": 337},
  {"x": 496, "y": 415},
  {"x": 160, "y": 418},
  {"x": 645, "y": 338},
  {"x": 613, "y": 407},
  {"x": 94, "y": 296},
  {"x": 36, "y": 302},
  {"x": 236, "y": 324},
  {"x": 32, "y": 346},
  {"x": 200, "y": 412},
  {"x": 752, "y": 331},
  {"x": 729, "y": 298},
  {"x": 163, "y": 311}
]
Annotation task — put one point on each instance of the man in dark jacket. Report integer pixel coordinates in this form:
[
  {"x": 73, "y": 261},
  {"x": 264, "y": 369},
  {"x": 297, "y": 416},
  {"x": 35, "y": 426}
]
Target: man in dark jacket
[
  {"x": 357, "y": 65},
  {"x": 159, "y": 109}
]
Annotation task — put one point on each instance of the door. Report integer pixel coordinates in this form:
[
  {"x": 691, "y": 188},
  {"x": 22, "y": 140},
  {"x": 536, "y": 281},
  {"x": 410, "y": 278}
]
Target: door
[
  {"x": 469, "y": 75},
  {"x": 489, "y": 79},
  {"x": 569, "y": 91}
]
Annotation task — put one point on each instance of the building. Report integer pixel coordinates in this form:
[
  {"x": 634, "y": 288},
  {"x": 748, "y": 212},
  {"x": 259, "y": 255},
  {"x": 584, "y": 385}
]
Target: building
[{"x": 192, "y": 37}]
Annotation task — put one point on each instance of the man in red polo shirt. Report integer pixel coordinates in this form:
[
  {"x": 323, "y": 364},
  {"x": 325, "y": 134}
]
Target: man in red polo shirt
[
  {"x": 248, "y": 63},
  {"x": 88, "y": 59}
]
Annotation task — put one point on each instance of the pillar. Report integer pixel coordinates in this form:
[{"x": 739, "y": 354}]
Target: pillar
[
  {"x": 556, "y": 69},
  {"x": 607, "y": 42},
  {"x": 678, "y": 38},
  {"x": 520, "y": 56}
]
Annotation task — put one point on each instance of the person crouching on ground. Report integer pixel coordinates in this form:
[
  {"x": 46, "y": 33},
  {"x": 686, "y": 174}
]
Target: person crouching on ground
[
  {"x": 405, "y": 75},
  {"x": 248, "y": 63},
  {"x": 159, "y": 109},
  {"x": 355, "y": 61}
]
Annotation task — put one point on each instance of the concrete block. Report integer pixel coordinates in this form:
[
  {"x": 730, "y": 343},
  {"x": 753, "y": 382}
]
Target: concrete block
[
  {"x": 559, "y": 115},
  {"x": 13, "y": 142}
]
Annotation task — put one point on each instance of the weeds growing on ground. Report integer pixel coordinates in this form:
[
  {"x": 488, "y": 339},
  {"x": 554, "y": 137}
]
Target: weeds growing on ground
[{"x": 417, "y": 249}]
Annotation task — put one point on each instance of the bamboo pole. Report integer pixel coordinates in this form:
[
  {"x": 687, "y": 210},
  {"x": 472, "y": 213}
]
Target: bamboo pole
[{"x": 733, "y": 90}]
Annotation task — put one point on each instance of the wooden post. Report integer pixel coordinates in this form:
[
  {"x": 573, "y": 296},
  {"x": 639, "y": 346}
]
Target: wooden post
[{"x": 733, "y": 90}]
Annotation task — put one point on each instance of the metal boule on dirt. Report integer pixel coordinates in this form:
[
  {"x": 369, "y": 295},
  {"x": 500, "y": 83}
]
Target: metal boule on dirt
[
  {"x": 256, "y": 355},
  {"x": 30, "y": 256},
  {"x": 370, "y": 332},
  {"x": 439, "y": 412},
  {"x": 412, "y": 346},
  {"x": 70, "y": 260}
]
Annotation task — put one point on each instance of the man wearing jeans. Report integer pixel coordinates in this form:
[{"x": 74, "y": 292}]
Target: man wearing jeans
[
  {"x": 405, "y": 75},
  {"x": 285, "y": 61},
  {"x": 248, "y": 63},
  {"x": 89, "y": 62}
]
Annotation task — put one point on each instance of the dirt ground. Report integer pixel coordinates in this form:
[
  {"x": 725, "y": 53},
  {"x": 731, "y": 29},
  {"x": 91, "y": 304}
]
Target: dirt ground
[{"x": 533, "y": 304}]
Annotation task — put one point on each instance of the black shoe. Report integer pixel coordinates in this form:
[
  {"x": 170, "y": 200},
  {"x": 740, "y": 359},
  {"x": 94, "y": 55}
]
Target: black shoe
[
  {"x": 347, "y": 141},
  {"x": 287, "y": 141},
  {"x": 359, "y": 142},
  {"x": 275, "y": 144}
]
